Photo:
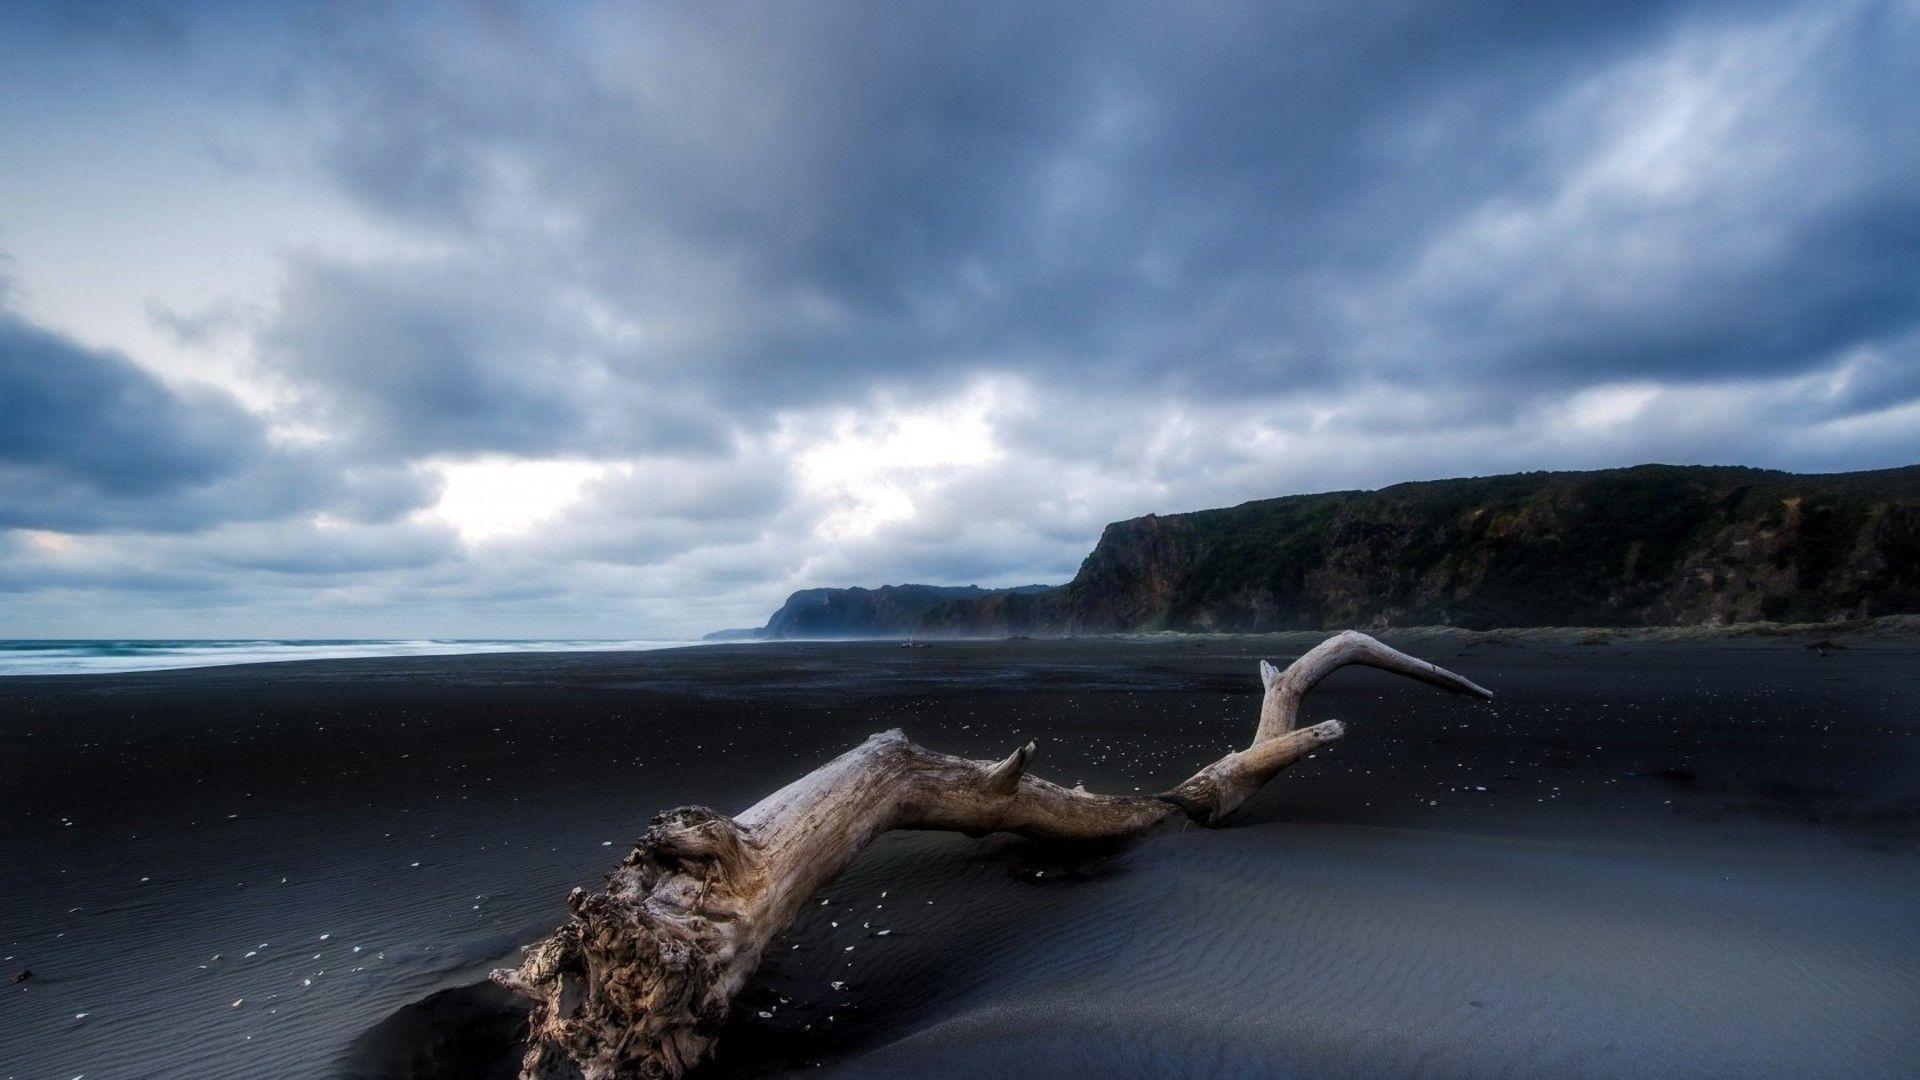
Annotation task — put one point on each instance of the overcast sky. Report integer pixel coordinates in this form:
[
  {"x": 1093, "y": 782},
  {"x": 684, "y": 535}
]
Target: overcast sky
[{"x": 584, "y": 319}]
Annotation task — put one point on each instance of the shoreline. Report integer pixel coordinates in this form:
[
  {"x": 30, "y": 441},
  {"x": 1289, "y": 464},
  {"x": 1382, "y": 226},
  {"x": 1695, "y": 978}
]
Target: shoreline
[
  {"x": 1885, "y": 628},
  {"x": 31, "y": 657}
]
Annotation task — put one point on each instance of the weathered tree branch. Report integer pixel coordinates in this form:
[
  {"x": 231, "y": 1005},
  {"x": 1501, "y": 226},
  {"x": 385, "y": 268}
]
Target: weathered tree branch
[
  {"x": 639, "y": 983},
  {"x": 1285, "y": 689}
]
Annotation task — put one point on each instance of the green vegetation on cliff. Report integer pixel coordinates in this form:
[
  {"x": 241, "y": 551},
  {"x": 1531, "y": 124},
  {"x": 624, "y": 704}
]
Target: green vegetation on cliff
[{"x": 1654, "y": 545}]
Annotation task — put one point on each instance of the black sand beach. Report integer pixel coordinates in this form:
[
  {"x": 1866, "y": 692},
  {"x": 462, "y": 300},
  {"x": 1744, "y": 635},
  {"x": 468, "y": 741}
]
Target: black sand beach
[{"x": 1667, "y": 859}]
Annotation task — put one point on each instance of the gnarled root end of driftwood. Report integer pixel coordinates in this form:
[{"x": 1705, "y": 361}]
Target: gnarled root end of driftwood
[
  {"x": 619, "y": 994},
  {"x": 636, "y": 985},
  {"x": 639, "y": 983}
]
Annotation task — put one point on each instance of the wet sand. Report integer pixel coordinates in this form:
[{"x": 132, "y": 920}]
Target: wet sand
[{"x": 1691, "y": 859}]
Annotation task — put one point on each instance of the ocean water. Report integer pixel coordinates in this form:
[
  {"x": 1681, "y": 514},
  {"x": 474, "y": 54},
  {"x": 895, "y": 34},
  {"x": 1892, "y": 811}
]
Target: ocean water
[{"x": 84, "y": 657}]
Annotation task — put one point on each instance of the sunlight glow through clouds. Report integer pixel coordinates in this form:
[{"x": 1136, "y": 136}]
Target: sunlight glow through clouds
[
  {"x": 1609, "y": 406},
  {"x": 493, "y": 498},
  {"x": 875, "y": 465},
  {"x": 46, "y": 540}
]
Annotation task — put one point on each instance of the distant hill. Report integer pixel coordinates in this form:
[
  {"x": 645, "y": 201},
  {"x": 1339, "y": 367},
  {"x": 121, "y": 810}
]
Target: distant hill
[
  {"x": 890, "y": 611},
  {"x": 1653, "y": 545}
]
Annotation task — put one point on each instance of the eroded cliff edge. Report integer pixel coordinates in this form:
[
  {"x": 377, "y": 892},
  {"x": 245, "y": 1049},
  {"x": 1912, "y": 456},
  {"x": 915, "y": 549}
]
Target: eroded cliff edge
[{"x": 1653, "y": 545}]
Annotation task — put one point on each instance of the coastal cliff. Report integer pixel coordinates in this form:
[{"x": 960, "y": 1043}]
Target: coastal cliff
[{"x": 1653, "y": 545}]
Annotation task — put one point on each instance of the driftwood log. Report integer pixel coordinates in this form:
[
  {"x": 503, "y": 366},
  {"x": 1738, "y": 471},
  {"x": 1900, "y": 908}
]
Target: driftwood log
[{"x": 640, "y": 981}]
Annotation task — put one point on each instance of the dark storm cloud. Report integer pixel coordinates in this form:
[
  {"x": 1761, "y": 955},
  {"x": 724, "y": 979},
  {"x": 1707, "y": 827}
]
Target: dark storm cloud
[
  {"x": 90, "y": 441},
  {"x": 793, "y": 202},
  {"x": 474, "y": 355},
  {"x": 99, "y": 420},
  {"x": 405, "y": 360},
  {"x": 138, "y": 25}
]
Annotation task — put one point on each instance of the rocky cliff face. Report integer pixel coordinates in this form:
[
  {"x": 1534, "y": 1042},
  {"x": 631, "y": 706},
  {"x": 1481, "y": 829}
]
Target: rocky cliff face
[{"x": 1653, "y": 545}]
